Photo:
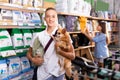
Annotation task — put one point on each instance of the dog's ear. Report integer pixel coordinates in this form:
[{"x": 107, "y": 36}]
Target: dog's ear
[{"x": 64, "y": 30}]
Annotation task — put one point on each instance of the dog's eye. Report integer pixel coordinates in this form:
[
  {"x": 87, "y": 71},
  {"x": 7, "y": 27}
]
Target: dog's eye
[{"x": 58, "y": 33}]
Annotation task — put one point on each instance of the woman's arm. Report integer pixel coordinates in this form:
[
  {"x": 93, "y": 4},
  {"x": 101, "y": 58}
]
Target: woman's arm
[{"x": 88, "y": 34}]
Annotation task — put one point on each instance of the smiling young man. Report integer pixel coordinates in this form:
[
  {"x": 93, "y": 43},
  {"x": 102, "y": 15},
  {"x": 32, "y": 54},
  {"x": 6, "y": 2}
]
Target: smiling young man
[{"x": 49, "y": 68}]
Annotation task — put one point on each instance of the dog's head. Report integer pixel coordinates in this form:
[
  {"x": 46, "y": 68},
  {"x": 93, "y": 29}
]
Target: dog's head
[
  {"x": 62, "y": 35},
  {"x": 63, "y": 39}
]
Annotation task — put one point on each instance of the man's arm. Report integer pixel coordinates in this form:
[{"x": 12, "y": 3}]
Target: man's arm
[
  {"x": 36, "y": 60},
  {"x": 29, "y": 54},
  {"x": 70, "y": 54}
]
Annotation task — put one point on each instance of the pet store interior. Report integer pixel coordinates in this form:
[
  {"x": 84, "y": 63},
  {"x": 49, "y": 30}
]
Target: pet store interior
[{"x": 21, "y": 20}]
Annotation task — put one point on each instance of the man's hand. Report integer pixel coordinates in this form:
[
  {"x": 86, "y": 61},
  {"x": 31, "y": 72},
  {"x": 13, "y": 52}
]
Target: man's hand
[
  {"x": 37, "y": 60},
  {"x": 57, "y": 48}
]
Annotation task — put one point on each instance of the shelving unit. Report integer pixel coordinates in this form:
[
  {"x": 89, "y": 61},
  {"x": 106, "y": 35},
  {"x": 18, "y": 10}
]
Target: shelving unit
[
  {"x": 17, "y": 54},
  {"x": 9, "y": 28},
  {"x": 21, "y": 8},
  {"x": 87, "y": 49},
  {"x": 19, "y": 27},
  {"x": 8, "y": 6},
  {"x": 114, "y": 34},
  {"x": 41, "y": 10},
  {"x": 88, "y": 17},
  {"x": 83, "y": 47},
  {"x": 93, "y": 18},
  {"x": 80, "y": 51}
]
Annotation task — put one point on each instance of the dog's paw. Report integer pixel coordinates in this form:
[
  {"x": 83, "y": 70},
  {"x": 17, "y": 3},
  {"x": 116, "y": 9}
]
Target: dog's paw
[{"x": 58, "y": 49}]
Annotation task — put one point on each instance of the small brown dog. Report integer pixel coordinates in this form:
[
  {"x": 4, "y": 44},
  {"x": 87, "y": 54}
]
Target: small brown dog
[{"x": 63, "y": 39}]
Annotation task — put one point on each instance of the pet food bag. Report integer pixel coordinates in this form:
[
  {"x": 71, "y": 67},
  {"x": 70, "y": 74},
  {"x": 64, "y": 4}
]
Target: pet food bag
[
  {"x": 70, "y": 23},
  {"x": 14, "y": 66},
  {"x": 24, "y": 64},
  {"x": 5, "y": 40},
  {"x": 28, "y": 3},
  {"x": 16, "y": 2},
  {"x": 62, "y": 21},
  {"x": 36, "y": 20},
  {"x": 27, "y": 19},
  {"x": 37, "y": 48},
  {"x": 3, "y": 70},
  {"x": 83, "y": 21},
  {"x": 27, "y": 75},
  {"x": 17, "y": 39},
  {"x": 38, "y": 3},
  {"x": 27, "y": 37},
  {"x": 6, "y": 17},
  {"x": 17, "y": 18},
  {"x": 6, "y": 47}
]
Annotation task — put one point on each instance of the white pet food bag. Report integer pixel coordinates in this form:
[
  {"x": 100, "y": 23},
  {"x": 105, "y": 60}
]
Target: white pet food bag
[
  {"x": 17, "y": 39},
  {"x": 6, "y": 47},
  {"x": 17, "y": 18},
  {"x": 27, "y": 19},
  {"x": 5, "y": 39},
  {"x": 6, "y": 17},
  {"x": 27, "y": 3},
  {"x": 3, "y": 70},
  {"x": 27, "y": 37},
  {"x": 38, "y": 3},
  {"x": 16, "y": 2},
  {"x": 14, "y": 66}
]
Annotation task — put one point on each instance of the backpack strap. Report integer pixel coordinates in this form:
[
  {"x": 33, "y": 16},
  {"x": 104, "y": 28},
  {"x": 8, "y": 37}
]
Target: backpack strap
[{"x": 49, "y": 42}]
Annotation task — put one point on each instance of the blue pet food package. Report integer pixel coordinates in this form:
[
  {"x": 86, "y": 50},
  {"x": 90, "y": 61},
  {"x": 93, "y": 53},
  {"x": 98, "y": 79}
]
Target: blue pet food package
[
  {"x": 24, "y": 63},
  {"x": 3, "y": 70},
  {"x": 14, "y": 66}
]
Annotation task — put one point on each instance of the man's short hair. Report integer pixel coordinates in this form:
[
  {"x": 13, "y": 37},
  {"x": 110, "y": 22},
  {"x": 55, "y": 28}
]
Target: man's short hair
[{"x": 50, "y": 8}]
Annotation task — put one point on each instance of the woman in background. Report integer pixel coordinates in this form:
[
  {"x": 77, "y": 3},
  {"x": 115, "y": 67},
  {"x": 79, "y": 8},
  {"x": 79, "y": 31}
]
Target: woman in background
[{"x": 101, "y": 40}]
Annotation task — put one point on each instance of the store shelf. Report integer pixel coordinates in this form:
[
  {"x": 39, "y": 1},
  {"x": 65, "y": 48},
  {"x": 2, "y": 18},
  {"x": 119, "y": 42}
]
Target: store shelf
[
  {"x": 75, "y": 32},
  {"x": 114, "y": 31},
  {"x": 83, "y": 47},
  {"x": 114, "y": 41},
  {"x": 8, "y": 26},
  {"x": 97, "y": 18},
  {"x": 17, "y": 54},
  {"x": 20, "y": 27},
  {"x": 21, "y": 8},
  {"x": 89, "y": 17}
]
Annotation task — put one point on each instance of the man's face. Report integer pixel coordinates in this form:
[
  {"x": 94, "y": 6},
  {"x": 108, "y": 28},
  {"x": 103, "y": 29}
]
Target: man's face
[{"x": 51, "y": 18}]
